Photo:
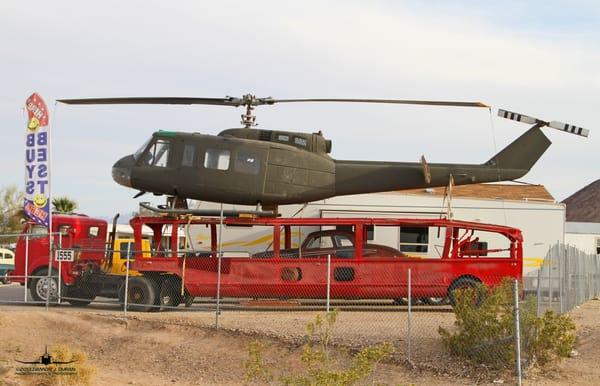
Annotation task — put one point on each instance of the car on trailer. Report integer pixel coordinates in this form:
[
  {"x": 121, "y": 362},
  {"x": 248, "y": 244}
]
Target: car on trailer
[{"x": 348, "y": 266}]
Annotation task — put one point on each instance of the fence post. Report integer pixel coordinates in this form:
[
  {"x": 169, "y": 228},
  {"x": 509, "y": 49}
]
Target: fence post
[
  {"x": 126, "y": 278},
  {"x": 219, "y": 256},
  {"x": 550, "y": 276},
  {"x": 26, "y": 267},
  {"x": 539, "y": 289},
  {"x": 560, "y": 283},
  {"x": 517, "y": 333},
  {"x": 49, "y": 276},
  {"x": 408, "y": 332},
  {"x": 59, "y": 267},
  {"x": 328, "y": 281}
]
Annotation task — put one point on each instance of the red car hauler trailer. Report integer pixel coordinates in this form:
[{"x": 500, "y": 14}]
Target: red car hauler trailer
[
  {"x": 339, "y": 258},
  {"x": 337, "y": 255}
]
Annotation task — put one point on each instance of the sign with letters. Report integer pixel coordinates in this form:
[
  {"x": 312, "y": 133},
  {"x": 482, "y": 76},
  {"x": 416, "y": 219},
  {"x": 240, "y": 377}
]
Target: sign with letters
[{"x": 37, "y": 161}]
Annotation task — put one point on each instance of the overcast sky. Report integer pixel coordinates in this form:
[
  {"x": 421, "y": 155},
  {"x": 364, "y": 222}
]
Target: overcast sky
[{"x": 538, "y": 57}]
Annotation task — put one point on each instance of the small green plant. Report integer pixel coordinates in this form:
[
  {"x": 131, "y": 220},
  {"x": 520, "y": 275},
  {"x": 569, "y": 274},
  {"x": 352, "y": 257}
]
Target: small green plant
[
  {"x": 484, "y": 330},
  {"x": 322, "y": 365},
  {"x": 255, "y": 367}
]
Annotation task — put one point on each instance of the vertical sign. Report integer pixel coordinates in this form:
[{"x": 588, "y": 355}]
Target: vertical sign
[{"x": 37, "y": 160}]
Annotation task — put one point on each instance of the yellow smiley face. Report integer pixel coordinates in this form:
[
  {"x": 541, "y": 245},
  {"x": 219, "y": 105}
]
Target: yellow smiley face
[
  {"x": 40, "y": 200},
  {"x": 33, "y": 124}
]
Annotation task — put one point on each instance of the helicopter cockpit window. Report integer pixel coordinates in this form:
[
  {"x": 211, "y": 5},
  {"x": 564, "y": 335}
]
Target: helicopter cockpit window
[
  {"x": 188, "y": 156},
  {"x": 217, "y": 159},
  {"x": 139, "y": 151},
  {"x": 246, "y": 162},
  {"x": 157, "y": 154}
]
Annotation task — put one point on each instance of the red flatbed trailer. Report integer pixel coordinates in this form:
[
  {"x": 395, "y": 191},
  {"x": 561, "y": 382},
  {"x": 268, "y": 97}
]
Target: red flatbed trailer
[{"x": 361, "y": 271}]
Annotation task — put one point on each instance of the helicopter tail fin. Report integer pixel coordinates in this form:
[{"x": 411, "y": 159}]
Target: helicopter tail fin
[{"x": 519, "y": 156}]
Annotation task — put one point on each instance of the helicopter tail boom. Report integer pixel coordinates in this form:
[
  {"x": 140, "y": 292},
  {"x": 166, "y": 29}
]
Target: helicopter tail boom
[{"x": 514, "y": 161}]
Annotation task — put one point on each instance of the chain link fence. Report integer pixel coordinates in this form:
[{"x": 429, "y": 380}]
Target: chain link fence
[
  {"x": 425, "y": 321},
  {"x": 566, "y": 279}
]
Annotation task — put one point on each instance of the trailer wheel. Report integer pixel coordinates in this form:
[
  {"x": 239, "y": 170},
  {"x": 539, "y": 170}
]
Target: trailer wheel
[
  {"x": 170, "y": 295},
  {"x": 39, "y": 286},
  {"x": 81, "y": 297},
  {"x": 466, "y": 283},
  {"x": 142, "y": 294}
]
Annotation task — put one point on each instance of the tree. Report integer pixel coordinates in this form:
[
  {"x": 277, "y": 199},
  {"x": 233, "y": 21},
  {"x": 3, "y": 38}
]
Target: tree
[
  {"x": 11, "y": 212},
  {"x": 63, "y": 205}
]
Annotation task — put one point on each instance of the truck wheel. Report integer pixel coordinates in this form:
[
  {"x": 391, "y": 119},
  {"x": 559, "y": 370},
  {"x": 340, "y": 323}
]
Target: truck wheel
[
  {"x": 170, "y": 293},
  {"x": 39, "y": 286},
  {"x": 466, "y": 283},
  {"x": 81, "y": 297},
  {"x": 142, "y": 294}
]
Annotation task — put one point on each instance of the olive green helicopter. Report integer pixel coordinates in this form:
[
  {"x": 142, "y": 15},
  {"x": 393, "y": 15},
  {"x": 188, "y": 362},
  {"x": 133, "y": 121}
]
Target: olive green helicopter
[{"x": 267, "y": 168}]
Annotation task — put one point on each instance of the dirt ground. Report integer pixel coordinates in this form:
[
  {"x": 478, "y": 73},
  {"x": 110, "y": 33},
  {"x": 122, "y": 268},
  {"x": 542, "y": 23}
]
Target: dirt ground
[{"x": 183, "y": 348}]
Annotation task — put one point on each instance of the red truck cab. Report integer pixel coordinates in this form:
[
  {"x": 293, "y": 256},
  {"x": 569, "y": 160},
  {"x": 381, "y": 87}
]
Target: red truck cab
[{"x": 86, "y": 235}]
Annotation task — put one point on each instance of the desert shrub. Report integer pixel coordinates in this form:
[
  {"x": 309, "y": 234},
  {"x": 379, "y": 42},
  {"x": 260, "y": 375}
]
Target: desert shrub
[
  {"x": 322, "y": 366},
  {"x": 484, "y": 330}
]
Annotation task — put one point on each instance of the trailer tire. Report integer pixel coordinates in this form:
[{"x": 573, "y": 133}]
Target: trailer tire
[
  {"x": 170, "y": 295},
  {"x": 38, "y": 286},
  {"x": 464, "y": 283},
  {"x": 142, "y": 294},
  {"x": 84, "y": 297}
]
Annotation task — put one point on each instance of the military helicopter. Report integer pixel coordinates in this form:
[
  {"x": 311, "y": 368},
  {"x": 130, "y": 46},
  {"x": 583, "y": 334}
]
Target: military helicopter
[{"x": 267, "y": 168}]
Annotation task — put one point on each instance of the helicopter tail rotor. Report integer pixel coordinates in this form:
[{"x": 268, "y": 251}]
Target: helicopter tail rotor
[{"x": 535, "y": 121}]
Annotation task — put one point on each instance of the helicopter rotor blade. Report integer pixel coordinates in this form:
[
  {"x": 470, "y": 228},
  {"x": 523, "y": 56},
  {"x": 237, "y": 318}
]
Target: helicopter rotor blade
[
  {"x": 390, "y": 101},
  {"x": 253, "y": 101},
  {"x": 228, "y": 101}
]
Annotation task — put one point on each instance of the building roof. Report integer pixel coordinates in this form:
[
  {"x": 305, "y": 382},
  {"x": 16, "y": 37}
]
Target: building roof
[
  {"x": 584, "y": 205},
  {"x": 518, "y": 192}
]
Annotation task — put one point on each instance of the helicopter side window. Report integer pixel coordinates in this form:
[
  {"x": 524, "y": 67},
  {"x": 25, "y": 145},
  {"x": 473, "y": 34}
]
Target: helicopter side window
[
  {"x": 188, "y": 156},
  {"x": 247, "y": 163},
  {"x": 283, "y": 138},
  {"x": 217, "y": 159},
  {"x": 158, "y": 154}
]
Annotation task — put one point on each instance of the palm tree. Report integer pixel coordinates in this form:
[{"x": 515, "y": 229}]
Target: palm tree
[{"x": 63, "y": 205}]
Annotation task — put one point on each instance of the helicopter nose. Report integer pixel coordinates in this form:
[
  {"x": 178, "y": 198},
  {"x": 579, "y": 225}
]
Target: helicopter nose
[{"x": 121, "y": 171}]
